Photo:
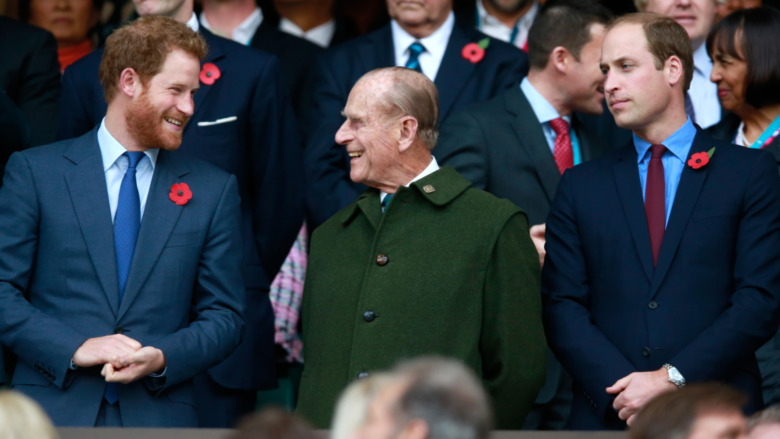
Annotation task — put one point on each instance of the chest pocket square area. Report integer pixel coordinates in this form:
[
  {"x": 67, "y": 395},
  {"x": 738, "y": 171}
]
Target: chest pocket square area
[{"x": 224, "y": 120}]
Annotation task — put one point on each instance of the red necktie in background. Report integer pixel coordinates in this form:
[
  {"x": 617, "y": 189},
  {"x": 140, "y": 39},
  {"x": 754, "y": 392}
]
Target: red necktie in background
[{"x": 564, "y": 156}]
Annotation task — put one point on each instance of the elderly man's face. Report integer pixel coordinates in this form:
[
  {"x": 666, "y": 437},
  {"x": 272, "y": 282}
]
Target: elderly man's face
[
  {"x": 696, "y": 16},
  {"x": 371, "y": 136},
  {"x": 765, "y": 431},
  {"x": 412, "y": 13},
  {"x": 719, "y": 424}
]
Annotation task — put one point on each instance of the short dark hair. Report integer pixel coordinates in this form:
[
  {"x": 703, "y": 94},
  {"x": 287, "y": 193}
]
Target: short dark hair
[
  {"x": 671, "y": 415},
  {"x": 751, "y": 35},
  {"x": 665, "y": 38},
  {"x": 564, "y": 23},
  {"x": 143, "y": 45}
]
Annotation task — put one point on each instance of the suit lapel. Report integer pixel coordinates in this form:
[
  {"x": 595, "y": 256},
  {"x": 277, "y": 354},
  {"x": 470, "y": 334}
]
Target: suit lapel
[
  {"x": 454, "y": 71},
  {"x": 531, "y": 138},
  {"x": 86, "y": 184},
  {"x": 630, "y": 193},
  {"x": 215, "y": 54},
  {"x": 159, "y": 219},
  {"x": 691, "y": 182},
  {"x": 377, "y": 50}
]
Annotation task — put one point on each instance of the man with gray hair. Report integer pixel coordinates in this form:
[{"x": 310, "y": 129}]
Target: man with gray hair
[
  {"x": 429, "y": 398},
  {"x": 441, "y": 269}
]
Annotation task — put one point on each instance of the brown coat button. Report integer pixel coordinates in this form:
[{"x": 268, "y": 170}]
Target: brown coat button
[{"x": 382, "y": 260}]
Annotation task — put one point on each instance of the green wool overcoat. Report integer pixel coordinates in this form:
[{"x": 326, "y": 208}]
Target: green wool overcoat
[{"x": 448, "y": 270}]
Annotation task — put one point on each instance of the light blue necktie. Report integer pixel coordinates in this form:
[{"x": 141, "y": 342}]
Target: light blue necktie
[
  {"x": 126, "y": 224},
  {"x": 415, "y": 49}
]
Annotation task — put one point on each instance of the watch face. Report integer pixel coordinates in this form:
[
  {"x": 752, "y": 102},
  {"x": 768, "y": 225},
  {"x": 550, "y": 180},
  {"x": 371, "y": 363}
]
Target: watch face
[{"x": 675, "y": 375}]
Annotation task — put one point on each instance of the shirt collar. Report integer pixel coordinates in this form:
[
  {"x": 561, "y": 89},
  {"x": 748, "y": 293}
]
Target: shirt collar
[
  {"x": 679, "y": 143},
  {"x": 543, "y": 110},
  {"x": 320, "y": 35},
  {"x": 111, "y": 149},
  {"x": 192, "y": 23},
  {"x": 244, "y": 32},
  {"x": 435, "y": 43}
]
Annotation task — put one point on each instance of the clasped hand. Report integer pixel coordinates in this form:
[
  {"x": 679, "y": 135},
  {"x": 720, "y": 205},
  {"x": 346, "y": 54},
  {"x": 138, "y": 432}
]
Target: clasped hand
[
  {"x": 634, "y": 391},
  {"x": 124, "y": 360}
]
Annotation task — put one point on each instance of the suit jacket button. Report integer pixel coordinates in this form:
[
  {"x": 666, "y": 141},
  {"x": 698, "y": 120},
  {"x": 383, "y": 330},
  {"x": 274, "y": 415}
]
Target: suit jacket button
[
  {"x": 652, "y": 305},
  {"x": 119, "y": 330},
  {"x": 362, "y": 375},
  {"x": 369, "y": 316},
  {"x": 646, "y": 351},
  {"x": 382, "y": 260}
]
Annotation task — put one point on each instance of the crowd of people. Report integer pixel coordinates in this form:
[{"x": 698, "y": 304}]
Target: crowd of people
[{"x": 210, "y": 207}]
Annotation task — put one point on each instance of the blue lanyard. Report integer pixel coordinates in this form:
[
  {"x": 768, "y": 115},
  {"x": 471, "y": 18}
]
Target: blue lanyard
[
  {"x": 515, "y": 28},
  {"x": 768, "y": 135}
]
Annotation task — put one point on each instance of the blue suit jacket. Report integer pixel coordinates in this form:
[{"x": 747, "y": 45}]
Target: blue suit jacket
[
  {"x": 58, "y": 281},
  {"x": 711, "y": 301},
  {"x": 458, "y": 81},
  {"x": 261, "y": 148}
]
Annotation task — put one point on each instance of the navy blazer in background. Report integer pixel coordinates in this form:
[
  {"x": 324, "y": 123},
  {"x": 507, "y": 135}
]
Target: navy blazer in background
[
  {"x": 261, "y": 147},
  {"x": 459, "y": 83},
  {"x": 59, "y": 287},
  {"x": 710, "y": 302}
]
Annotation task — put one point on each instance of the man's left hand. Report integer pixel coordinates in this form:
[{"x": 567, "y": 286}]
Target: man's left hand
[
  {"x": 139, "y": 364},
  {"x": 636, "y": 390}
]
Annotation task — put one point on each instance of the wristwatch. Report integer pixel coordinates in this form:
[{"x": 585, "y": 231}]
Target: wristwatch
[{"x": 675, "y": 377}]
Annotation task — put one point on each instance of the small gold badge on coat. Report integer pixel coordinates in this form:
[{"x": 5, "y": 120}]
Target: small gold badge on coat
[{"x": 429, "y": 189}]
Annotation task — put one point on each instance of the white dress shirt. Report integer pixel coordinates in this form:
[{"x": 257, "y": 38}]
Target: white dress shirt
[
  {"x": 320, "y": 35},
  {"x": 244, "y": 32},
  {"x": 115, "y": 165},
  {"x": 490, "y": 25},
  {"x": 435, "y": 45},
  {"x": 703, "y": 92}
]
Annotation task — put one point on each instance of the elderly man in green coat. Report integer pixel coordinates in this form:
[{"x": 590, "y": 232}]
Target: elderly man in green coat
[{"x": 420, "y": 264}]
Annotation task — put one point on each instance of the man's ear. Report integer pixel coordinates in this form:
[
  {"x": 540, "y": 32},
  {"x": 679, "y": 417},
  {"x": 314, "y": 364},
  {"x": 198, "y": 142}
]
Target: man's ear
[
  {"x": 130, "y": 82},
  {"x": 408, "y": 127},
  {"x": 674, "y": 70},
  {"x": 560, "y": 59}
]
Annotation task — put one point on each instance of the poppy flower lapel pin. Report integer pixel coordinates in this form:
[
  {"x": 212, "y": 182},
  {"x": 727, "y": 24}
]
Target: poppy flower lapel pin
[
  {"x": 209, "y": 73},
  {"x": 474, "y": 52},
  {"x": 180, "y": 194},
  {"x": 701, "y": 159}
]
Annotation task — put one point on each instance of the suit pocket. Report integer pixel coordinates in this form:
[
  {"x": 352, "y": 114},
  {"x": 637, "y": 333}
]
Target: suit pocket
[{"x": 184, "y": 239}]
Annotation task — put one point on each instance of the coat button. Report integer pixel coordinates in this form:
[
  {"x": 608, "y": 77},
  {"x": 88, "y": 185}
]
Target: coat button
[
  {"x": 653, "y": 304},
  {"x": 369, "y": 316},
  {"x": 119, "y": 330},
  {"x": 362, "y": 375},
  {"x": 382, "y": 260},
  {"x": 646, "y": 351}
]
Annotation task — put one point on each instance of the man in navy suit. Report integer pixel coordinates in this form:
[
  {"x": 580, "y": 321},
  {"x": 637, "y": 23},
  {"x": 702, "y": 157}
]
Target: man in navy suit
[
  {"x": 462, "y": 75},
  {"x": 243, "y": 123},
  {"x": 110, "y": 329},
  {"x": 661, "y": 264}
]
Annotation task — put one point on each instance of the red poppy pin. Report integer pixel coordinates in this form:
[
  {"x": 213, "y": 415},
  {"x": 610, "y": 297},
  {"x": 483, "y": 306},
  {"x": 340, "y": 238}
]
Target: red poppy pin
[
  {"x": 209, "y": 73},
  {"x": 700, "y": 159},
  {"x": 180, "y": 193},
  {"x": 474, "y": 52}
]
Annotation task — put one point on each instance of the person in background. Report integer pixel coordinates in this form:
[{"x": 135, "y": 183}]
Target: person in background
[
  {"x": 505, "y": 20},
  {"x": 697, "y": 18},
  {"x": 72, "y": 22},
  {"x": 746, "y": 69},
  {"x": 726, "y": 7},
  {"x": 352, "y": 405},
  {"x": 273, "y": 423},
  {"x": 22, "y": 418},
  {"x": 700, "y": 411}
]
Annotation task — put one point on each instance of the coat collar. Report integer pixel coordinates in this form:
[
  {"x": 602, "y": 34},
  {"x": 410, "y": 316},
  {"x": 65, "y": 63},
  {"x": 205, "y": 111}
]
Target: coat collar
[{"x": 439, "y": 189}]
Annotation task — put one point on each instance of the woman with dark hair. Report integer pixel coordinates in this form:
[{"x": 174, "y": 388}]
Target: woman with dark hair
[{"x": 746, "y": 67}]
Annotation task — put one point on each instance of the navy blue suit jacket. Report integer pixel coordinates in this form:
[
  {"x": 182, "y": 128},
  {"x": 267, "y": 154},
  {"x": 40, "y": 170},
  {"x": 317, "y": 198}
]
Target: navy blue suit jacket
[
  {"x": 58, "y": 280},
  {"x": 261, "y": 147},
  {"x": 711, "y": 301},
  {"x": 459, "y": 83}
]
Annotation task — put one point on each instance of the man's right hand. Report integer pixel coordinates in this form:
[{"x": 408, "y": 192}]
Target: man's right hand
[
  {"x": 537, "y": 236},
  {"x": 108, "y": 349}
]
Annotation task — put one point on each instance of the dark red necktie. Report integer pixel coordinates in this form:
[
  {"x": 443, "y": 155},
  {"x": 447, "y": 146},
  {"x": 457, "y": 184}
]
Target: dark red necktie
[
  {"x": 655, "y": 200},
  {"x": 562, "y": 151}
]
